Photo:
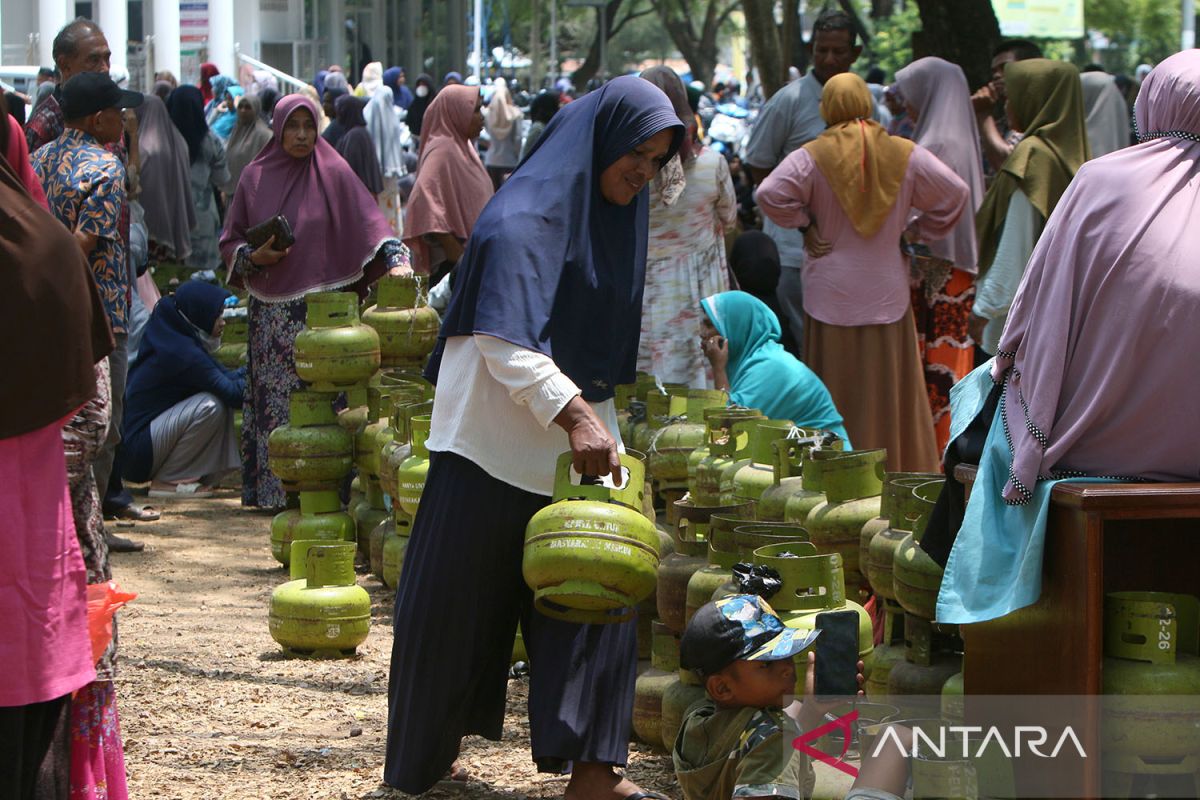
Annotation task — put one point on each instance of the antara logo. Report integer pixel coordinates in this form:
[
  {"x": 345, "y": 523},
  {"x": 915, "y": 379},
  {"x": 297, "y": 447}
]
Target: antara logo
[
  {"x": 970, "y": 741},
  {"x": 965, "y": 741},
  {"x": 845, "y": 724}
]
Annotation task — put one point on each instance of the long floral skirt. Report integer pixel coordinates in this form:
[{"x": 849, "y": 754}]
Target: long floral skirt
[
  {"x": 671, "y": 315},
  {"x": 270, "y": 380},
  {"x": 942, "y": 298},
  {"x": 97, "y": 756}
]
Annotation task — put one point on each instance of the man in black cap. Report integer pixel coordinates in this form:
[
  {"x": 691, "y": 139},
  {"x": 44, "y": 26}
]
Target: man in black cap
[
  {"x": 85, "y": 188},
  {"x": 739, "y": 742},
  {"x": 78, "y": 48}
]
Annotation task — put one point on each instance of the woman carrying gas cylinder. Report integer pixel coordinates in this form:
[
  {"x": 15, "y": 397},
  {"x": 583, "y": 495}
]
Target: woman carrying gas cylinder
[{"x": 542, "y": 326}]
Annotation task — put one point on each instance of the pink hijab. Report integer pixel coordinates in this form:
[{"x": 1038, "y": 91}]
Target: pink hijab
[
  {"x": 1101, "y": 339},
  {"x": 17, "y": 156},
  {"x": 946, "y": 127},
  {"x": 452, "y": 186},
  {"x": 337, "y": 223}
]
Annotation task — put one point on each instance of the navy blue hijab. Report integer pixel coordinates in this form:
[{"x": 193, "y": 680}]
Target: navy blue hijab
[{"x": 551, "y": 265}]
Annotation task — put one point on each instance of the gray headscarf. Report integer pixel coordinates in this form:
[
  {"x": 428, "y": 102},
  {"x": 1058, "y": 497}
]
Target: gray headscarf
[
  {"x": 245, "y": 142},
  {"x": 165, "y": 179}
]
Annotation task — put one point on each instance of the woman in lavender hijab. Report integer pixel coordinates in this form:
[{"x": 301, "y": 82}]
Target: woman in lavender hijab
[
  {"x": 343, "y": 242},
  {"x": 1094, "y": 365}
]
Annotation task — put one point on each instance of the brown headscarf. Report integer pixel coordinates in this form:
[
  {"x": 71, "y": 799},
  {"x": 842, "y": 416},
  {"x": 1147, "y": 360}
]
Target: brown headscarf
[
  {"x": 48, "y": 296},
  {"x": 865, "y": 166}
]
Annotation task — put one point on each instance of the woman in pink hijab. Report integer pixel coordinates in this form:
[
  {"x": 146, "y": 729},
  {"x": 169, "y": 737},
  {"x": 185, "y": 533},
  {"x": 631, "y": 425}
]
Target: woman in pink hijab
[
  {"x": 452, "y": 186},
  {"x": 343, "y": 242},
  {"x": 938, "y": 101},
  {"x": 1096, "y": 360}
]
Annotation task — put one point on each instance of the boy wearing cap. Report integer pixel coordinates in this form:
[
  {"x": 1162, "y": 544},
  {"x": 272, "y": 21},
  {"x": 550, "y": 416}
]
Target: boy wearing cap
[{"x": 737, "y": 742}]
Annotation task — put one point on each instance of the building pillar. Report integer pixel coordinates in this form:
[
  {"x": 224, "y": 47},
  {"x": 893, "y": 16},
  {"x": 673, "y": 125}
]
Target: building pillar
[
  {"x": 220, "y": 36},
  {"x": 166, "y": 37},
  {"x": 413, "y": 56},
  {"x": 246, "y": 23},
  {"x": 52, "y": 16},
  {"x": 113, "y": 19}
]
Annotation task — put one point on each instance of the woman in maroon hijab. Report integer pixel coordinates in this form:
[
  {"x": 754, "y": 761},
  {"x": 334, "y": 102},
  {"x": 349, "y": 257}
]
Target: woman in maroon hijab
[{"x": 343, "y": 242}]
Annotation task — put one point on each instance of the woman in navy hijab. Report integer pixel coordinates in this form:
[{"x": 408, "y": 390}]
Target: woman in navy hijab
[{"x": 543, "y": 324}]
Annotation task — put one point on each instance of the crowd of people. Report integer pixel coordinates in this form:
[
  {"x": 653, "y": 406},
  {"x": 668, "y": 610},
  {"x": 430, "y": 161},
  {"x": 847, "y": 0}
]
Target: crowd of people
[{"x": 996, "y": 277}]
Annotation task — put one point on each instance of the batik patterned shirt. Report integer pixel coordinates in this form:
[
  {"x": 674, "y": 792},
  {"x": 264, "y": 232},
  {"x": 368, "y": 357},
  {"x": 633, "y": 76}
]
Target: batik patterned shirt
[{"x": 85, "y": 186}]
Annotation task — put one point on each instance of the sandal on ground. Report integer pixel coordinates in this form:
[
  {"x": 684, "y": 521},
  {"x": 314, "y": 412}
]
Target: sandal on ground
[
  {"x": 135, "y": 513},
  {"x": 640, "y": 795},
  {"x": 183, "y": 491},
  {"x": 119, "y": 544}
]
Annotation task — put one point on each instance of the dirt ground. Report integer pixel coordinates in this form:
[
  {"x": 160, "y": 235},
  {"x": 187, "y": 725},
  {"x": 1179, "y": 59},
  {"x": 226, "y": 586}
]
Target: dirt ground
[{"x": 211, "y": 708}]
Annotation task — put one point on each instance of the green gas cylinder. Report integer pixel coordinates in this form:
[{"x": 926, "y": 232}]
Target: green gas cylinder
[
  {"x": 311, "y": 452},
  {"x": 753, "y": 478},
  {"x": 787, "y": 464},
  {"x": 336, "y": 351},
  {"x": 232, "y": 352},
  {"x": 411, "y": 474},
  {"x": 888, "y": 653},
  {"x": 591, "y": 555},
  {"x": 652, "y": 684},
  {"x": 322, "y": 612},
  {"x": 1151, "y": 681},
  {"x": 368, "y": 516},
  {"x": 671, "y": 445},
  {"x": 812, "y": 585},
  {"x": 852, "y": 481},
  {"x": 750, "y": 536},
  {"x": 395, "y": 544},
  {"x": 393, "y": 452},
  {"x": 681, "y": 690},
  {"x": 407, "y": 326},
  {"x": 691, "y": 555},
  {"x": 899, "y": 510},
  {"x": 320, "y": 517},
  {"x": 811, "y": 494},
  {"x": 917, "y": 578},
  {"x": 722, "y": 440}
]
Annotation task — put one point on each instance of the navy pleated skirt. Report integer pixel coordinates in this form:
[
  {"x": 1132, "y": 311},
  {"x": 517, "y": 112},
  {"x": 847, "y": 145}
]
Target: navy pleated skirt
[{"x": 460, "y": 596}]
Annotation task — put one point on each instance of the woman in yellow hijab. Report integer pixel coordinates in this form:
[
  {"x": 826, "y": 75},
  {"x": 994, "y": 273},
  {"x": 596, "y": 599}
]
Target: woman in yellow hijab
[{"x": 861, "y": 186}]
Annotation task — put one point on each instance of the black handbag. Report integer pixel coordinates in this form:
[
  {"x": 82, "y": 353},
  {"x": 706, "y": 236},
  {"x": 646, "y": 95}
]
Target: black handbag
[{"x": 276, "y": 226}]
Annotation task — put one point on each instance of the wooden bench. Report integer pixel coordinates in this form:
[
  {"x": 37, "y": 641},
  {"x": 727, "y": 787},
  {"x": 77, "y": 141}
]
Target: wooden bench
[{"x": 1100, "y": 538}]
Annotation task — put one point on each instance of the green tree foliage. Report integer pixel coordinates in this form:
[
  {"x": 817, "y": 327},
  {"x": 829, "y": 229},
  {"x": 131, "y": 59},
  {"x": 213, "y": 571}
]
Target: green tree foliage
[{"x": 1139, "y": 31}]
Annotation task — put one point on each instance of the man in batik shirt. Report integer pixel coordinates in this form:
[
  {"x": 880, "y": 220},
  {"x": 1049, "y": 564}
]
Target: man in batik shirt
[{"x": 81, "y": 47}]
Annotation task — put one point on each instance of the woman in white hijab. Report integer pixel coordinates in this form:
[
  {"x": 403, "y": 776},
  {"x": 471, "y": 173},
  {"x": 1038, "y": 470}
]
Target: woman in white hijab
[
  {"x": 503, "y": 123},
  {"x": 372, "y": 79},
  {"x": 383, "y": 125},
  {"x": 1107, "y": 114}
]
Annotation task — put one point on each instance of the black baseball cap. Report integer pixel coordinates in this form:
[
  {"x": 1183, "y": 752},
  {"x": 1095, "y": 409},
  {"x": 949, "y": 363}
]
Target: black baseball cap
[
  {"x": 88, "y": 92},
  {"x": 736, "y": 628}
]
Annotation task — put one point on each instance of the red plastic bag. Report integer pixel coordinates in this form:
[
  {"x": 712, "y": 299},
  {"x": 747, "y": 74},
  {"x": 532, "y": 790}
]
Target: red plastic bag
[{"x": 103, "y": 601}]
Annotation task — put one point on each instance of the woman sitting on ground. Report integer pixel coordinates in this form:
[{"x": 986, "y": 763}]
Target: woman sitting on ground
[
  {"x": 178, "y": 430},
  {"x": 740, "y": 338}
]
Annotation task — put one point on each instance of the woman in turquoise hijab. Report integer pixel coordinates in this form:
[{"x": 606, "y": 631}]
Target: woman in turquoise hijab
[{"x": 740, "y": 337}]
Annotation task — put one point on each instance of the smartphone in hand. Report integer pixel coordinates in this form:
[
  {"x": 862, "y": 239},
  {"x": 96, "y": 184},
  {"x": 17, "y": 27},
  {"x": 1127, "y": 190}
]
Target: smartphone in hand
[{"x": 835, "y": 672}]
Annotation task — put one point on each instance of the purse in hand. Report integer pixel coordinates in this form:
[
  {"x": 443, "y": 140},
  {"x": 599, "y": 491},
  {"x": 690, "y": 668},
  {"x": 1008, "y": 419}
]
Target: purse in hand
[{"x": 276, "y": 226}]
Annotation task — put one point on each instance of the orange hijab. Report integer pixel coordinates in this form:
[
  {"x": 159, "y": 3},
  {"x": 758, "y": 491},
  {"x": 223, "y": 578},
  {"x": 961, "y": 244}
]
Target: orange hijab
[{"x": 865, "y": 166}]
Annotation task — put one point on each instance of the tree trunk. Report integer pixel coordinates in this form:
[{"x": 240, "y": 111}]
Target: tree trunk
[
  {"x": 882, "y": 9},
  {"x": 792, "y": 38},
  {"x": 765, "y": 46},
  {"x": 961, "y": 31},
  {"x": 591, "y": 65}
]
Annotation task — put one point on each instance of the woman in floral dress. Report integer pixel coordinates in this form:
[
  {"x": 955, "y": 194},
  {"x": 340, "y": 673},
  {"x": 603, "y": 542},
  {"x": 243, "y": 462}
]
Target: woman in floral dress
[{"x": 692, "y": 205}]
